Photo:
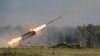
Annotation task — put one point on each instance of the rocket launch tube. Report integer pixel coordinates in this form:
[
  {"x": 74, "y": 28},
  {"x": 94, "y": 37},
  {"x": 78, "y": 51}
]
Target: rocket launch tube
[{"x": 28, "y": 34}]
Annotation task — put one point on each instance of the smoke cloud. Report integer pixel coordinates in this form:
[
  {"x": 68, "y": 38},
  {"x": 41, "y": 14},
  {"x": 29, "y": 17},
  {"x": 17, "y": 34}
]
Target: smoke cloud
[{"x": 9, "y": 32}]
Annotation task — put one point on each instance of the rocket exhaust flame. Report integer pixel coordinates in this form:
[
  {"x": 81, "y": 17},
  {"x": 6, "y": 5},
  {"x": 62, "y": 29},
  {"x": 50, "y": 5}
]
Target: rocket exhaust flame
[
  {"x": 13, "y": 41},
  {"x": 38, "y": 28},
  {"x": 26, "y": 35},
  {"x": 30, "y": 33}
]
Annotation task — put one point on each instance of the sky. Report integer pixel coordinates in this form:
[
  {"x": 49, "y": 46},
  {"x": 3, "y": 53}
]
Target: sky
[{"x": 32, "y": 12}]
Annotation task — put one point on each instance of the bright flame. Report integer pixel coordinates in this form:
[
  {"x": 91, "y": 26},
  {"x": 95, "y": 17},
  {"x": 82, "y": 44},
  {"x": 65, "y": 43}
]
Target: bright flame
[
  {"x": 14, "y": 41},
  {"x": 38, "y": 28}
]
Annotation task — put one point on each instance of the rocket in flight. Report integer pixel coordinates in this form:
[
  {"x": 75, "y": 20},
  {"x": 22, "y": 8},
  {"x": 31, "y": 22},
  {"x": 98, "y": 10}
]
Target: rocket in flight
[{"x": 32, "y": 33}]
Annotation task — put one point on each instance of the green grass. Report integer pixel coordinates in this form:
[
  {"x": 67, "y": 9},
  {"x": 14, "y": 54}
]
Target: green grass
[{"x": 48, "y": 52}]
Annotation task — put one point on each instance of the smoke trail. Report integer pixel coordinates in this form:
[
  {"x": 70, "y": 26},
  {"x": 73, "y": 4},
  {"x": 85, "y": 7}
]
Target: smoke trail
[{"x": 8, "y": 32}]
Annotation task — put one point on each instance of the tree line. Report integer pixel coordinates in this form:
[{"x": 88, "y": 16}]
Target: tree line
[{"x": 87, "y": 36}]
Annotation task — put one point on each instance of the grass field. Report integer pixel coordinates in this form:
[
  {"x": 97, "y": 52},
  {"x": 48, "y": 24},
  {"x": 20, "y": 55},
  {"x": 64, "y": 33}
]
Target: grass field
[{"x": 48, "y": 52}]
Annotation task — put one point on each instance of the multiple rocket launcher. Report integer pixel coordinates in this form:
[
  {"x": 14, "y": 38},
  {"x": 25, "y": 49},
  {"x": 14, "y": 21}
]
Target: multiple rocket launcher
[{"x": 31, "y": 32}]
